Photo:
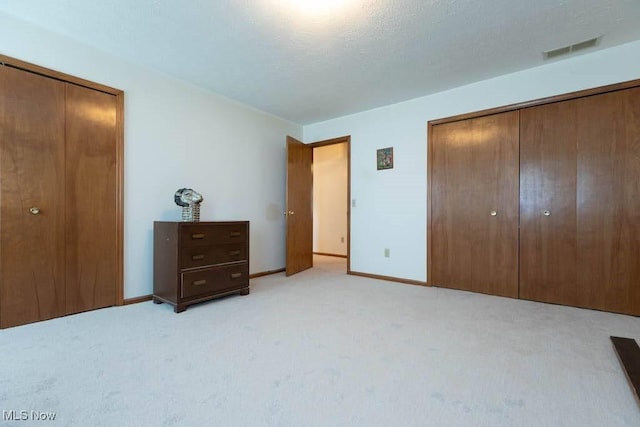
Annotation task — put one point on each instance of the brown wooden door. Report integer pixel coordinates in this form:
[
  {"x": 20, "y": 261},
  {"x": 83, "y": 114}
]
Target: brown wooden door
[
  {"x": 451, "y": 202},
  {"x": 474, "y": 204},
  {"x": 32, "y": 194},
  {"x": 91, "y": 173},
  {"x": 548, "y": 164},
  {"x": 608, "y": 200},
  {"x": 299, "y": 213}
]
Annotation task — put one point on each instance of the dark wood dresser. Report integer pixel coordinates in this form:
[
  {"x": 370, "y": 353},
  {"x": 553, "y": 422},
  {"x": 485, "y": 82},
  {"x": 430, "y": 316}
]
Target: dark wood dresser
[{"x": 199, "y": 261}]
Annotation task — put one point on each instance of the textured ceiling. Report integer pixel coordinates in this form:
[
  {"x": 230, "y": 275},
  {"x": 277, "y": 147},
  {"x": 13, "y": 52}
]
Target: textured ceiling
[{"x": 308, "y": 68}]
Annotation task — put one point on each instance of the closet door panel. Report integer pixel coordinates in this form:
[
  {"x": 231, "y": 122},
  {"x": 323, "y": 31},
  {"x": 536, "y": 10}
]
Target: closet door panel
[
  {"x": 494, "y": 145},
  {"x": 609, "y": 201},
  {"x": 474, "y": 172},
  {"x": 451, "y": 204},
  {"x": 91, "y": 199},
  {"x": 32, "y": 195},
  {"x": 548, "y": 242}
]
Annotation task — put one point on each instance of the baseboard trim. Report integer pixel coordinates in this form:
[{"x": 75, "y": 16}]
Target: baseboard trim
[
  {"x": 387, "y": 278},
  {"x": 266, "y": 273},
  {"x": 146, "y": 298},
  {"x": 137, "y": 300},
  {"x": 333, "y": 255}
]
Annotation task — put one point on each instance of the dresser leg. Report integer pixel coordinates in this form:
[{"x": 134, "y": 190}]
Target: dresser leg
[
  {"x": 178, "y": 308},
  {"x": 244, "y": 291},
  {"x": 157, "y": 301}
]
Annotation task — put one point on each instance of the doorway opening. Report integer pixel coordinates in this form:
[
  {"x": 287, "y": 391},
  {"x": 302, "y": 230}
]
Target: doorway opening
[{"x": 330, "y": 203}]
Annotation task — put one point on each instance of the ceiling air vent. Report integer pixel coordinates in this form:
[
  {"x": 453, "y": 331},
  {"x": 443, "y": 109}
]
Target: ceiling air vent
[{"x": 550, "y": 54}]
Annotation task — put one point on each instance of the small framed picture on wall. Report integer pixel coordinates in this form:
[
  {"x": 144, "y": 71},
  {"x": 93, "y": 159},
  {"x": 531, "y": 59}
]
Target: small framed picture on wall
[{"x": 385, "y": 158}]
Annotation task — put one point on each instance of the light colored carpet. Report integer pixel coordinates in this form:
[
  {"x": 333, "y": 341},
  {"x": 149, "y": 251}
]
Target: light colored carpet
[{"x": 324, "y": 349}]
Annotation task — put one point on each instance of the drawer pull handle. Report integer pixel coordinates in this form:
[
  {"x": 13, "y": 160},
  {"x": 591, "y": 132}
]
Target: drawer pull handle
[
  {"x": 199, "y": 282},
  {"x": 197, "y": 236},
  {"x": 234, "y": 253},
  {"x": 236, "y": 275},
  {"x": 197, "y": 257},
  {"x": 234, "y": 234}
]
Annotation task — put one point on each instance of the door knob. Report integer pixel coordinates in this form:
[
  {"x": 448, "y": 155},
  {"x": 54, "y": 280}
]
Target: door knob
[
  {"x": 494, "y": 213},
  {"x": 34, "y": 210},
  {"x": 546, "y": 213}
]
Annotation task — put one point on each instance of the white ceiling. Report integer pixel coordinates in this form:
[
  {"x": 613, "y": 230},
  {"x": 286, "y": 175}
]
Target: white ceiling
[{"x": 309, "y": 68}]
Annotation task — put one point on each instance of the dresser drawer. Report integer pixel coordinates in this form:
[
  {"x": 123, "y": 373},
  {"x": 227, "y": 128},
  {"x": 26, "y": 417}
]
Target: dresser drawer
[
  {"x": 215, "y": 279},
  {"x": 200, "y": 256},
  {"x": 203, "y": 235}
]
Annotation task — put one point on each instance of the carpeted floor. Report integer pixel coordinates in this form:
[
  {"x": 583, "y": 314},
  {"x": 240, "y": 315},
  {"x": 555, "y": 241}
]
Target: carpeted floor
[{"x": 323, "y": 349}]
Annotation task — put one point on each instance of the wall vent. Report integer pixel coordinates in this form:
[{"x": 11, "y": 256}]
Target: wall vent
[{"x": 550, "y": 54}]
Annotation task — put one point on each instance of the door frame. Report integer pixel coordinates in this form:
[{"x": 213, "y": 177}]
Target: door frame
[
  {"x": 119, "y": 94},
  {"x": 333, "y": 141},
  {"x": 502, "y": 109}
]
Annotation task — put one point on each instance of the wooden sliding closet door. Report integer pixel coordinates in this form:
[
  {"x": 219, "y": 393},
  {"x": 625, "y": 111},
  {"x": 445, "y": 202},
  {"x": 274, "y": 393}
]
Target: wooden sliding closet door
[
  {"x": 32, "y": 194},
  {"x": 608, "y": 200},
  {"x": 474, "y": 204},
  {"x": 91, "y": 174},
  {"x": 548, "y": 164},
  {"x": 60, "y": 215},
  {"x": 580, "y": 202}
]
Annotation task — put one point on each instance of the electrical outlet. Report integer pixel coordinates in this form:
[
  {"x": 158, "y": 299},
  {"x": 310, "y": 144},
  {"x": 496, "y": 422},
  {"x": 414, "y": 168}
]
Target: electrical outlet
[
  {"x": 353, "y": 203},
  {"x": 342, "y": 240},
  {"x": 387, "y": 252}
]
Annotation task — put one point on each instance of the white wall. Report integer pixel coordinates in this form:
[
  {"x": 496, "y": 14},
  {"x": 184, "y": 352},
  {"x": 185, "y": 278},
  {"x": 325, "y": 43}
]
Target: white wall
[
  {"x": 177, "y": 135},
  {"x": 330, "y": 199},
  {"x": 390, "y": 207}
]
